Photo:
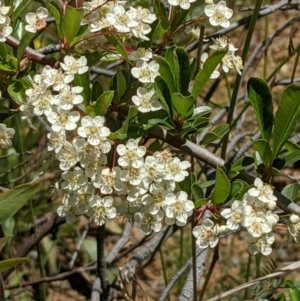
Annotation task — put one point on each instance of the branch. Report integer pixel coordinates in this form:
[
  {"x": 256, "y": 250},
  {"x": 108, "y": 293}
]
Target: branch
[{"x": 213, "y": 160}]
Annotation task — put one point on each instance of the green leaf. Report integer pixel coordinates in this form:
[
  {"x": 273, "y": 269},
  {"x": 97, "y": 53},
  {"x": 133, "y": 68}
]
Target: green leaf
[
  {"x": 197, "y": 192},
  {"x": 3, "y": 52},
  {"x": 184, "y": 73},
  {"x": 17, "y": 92},
  {"x": 166, "y": 73},
  {"x": 216, "y": 134},
  {"x": 97, "y": 90},
  {"x": 10, "y": 263},
  {"x": 163, "y": 93},
  {"x": 207, "y": 184},
  {"x": 83, "y": 80},
  {"x": 200, "y": 203},
  {"x": 236, "y": 188},
  {"x": 264, "y": 149},
  {"x": 56, "y": 13},
  {"x": 291, "y": 146},
  {"x": 208, "y": 68},
  {"x": 286, "y": 117},
  {"x": 90, "y": 111},
  {"x": 291, "y": 157},
  {"x": 114, "y": 40},
  {"x": 159, "y": 8},
  {"x": 103, "y": 103},
  {"x": 147, "y": 117},
  {"x": 183, "y": 105},
  {"x": 25, "y": 41},
  {"x": 291, "y": 191},
  {"x": 172, "y": 60},
  {"x": 12, "y": 200},
  {"x": 294, "y": 294},
  {"x": 161, "y": 28},
  {"x": 222, "y": 188},
  {"x": 242, "y": 163},
  {"x": 71, "y": 23},
  {"x": 261, "y": 100},
  {"x": 118, "y": 84},
  {"x": 19, "y": 6},
  {"x": 178, "y": 19}
]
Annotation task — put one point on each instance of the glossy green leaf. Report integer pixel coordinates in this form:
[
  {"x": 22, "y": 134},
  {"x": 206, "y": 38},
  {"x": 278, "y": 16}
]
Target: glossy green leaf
[
  {"x": 10, "y": 263},
  {"x": 286, "y": 117},
  {"x": 236, "y": 188},
  {"x": 200, "y": 203},
  {"x": 147, "y": 117},
  {"x": 261, "y": 100},
  {"x": 264, "y": 149},
  {"x": 222, "y": 187},
  {"x": 291, "y": 146},
  {"x": 216, "y": 134},
  {"x": 71, "y": 23},
  {"x": 16, "y": 91},
  {"x": 208, "y": 68},
  {"x": 207, "y": 184},
  {"x": 292, "y": 157},
  {"x": 103, "y": 103},
  {"x": 83, "y": 80},
  {"x": 97, "y": 90},
  {"x": 83, "y": 31},
  {"x": 242, "y": 163},
  {"x": 118, "y": 84},
  {"x": 294, "y": 294},
  {"x": 197, "y": 192},
  {"x": 184, "y": 71},
  {"x": 56, "y": 13},
  {"x": 163, "y": 93},
  {"x": 292, "y": 191},
  {"x": 166, "y": 73},
  {"x": 12, "y": 200},
  {"x": 161, "y": 28},
  {"x": 25, "y": 41},
  {"x": 183, "y": 105},
  {"x": 172, "y": 60},
  {"x": 115, "y": 41},
  {"x": 19, "y": 6}
]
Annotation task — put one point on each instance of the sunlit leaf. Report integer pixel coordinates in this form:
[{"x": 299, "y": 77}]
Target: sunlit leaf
[{"x": 10, "y": 263}]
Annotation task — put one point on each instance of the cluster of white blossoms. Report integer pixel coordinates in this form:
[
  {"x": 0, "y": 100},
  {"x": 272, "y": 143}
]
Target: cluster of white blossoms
[
  {"x": 5, "y": 28},
  {"x": 254, "y": 213},
  {"x": 6, "y": 134},
  {"x": 294, "y": 227},
  {"x": 100, "y": 14},
  {"x": 146, "y": 99}
]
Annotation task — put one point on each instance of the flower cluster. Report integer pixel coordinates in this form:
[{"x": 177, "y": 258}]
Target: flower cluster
[
  {"x": 294, "y": 227},
  {"x": 255, "y": 214},
  {"x": 5, "y": 135},
  {"x": 5, "y": 28},
  {"x": 132, "y": 22}
]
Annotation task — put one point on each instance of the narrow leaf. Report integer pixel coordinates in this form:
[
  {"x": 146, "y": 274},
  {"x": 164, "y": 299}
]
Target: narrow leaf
[
  {"x": 184, "y": 73},
  {"x": 208, "y": 68},
  {"x": 103, "y": 103},
  {"x": 117, "y": 44},
  {"x": 264, "y": 149},
  {"x": 183, "y": 105},
  {"x": 56, "y": 13},
  {"x": 10, "y": 263},
  {"x": 12, "y": 200},
  {"x": 25, "y": 41},
  {"x": 197, "y": 192},
  {"x": 261, "y": 101},
  {"x": 3, "y": 241},
  {"x": 19, "y": 6},
  {"x": 286, "y": 117},
  {"x": 222, "y": 187}
]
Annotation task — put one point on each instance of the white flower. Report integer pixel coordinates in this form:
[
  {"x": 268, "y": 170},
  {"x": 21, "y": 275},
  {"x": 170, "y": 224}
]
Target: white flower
[
  {"x": 43, "y": 104},
  {"x": 73, "y": 180},
  {"x": 177, "y": 208},
  {"x": 36, "y": 21},
  {"x": 145, "y": 72},
  {"x": 72, "y": 66},
  {"x": 98, "y": 24},
  {"x": 294, "y": 227},
  {"x": 93, "y": 129},
  {"x": 133, "y": 175},
  {"x": 93, "y": 165},
  {"x": 63, "y": 120},
  {"x": 194, "y": 31},
  {"x": 5, "y": 135},
  {"x": 220, "y": 43},
  {"x": 207, "y": 234},
  {"x": 176, "y": 170},
  {"x": 234, "y": 215},
  {"x": 260, "y": 244},
  {"x": 218, "y": 14},
  {"x": 141, "y": 30},
  {"x": 68, "y": 97},
  {"x": 143, "y": 14},
  {"x": 122, "y": 20},
  {"x": 109, "y": 180},
  {"x": 141, "y": 54},
  {"x": 103, "y": 209},
  {"x": 184, "y": 4},
  {"x": 5, "y": 29},
  {"x": 131, "y": 155},
  {"x": 3, "y": 12},
  {"x": 149, "y": 222},
  {"x": 56, "y": 141},
  {"x": 56, "y": 78},
  {"x": 67, "y": 209},
  {"x": 263, "y": 192},
  {"x": 155, "y": 201},
  {"x": 38, "y": 88},
  {"x": 146, "y": 101},
  {"x": 215, "y": 73},
  {"x": 83, "y": 198},
  {"x": 257, "y": 225},
  {"x": 238, "y": 64},
  {"x": 154, "y": 170},
  {"x": 68, "y": 155}
]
